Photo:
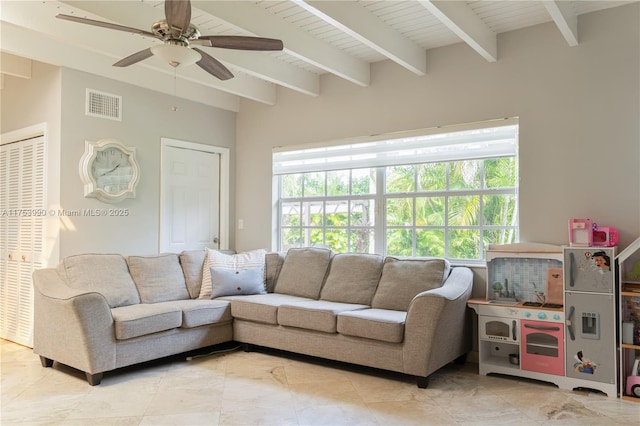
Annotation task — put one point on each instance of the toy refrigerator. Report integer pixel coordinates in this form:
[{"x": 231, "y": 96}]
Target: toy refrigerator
[{"x": 590, "y": 317}]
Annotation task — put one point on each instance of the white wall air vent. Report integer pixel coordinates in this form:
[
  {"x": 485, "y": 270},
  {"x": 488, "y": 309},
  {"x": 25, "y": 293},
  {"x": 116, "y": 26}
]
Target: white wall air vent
[{"x": 104, "y": 105}]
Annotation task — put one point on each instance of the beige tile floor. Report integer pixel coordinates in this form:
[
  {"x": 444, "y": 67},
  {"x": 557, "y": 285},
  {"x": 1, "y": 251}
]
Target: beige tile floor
[{"x": 272, "y": 388}]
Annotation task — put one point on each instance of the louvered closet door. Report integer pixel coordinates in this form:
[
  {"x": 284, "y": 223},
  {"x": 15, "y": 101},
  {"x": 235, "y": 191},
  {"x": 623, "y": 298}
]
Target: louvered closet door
[{"x": 22, "y": 221}]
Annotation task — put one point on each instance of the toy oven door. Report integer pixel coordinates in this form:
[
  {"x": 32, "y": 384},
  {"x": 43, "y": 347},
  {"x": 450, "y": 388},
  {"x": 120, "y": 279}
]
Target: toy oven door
[
  {"x": 498, "y": 329},
  {"x": 542, "y": 347}
]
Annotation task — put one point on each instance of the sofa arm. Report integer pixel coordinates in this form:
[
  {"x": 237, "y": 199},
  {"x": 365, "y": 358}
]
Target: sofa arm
[
  {"x": 72, "y": 326},
  {"x": 437, "y": 329}
]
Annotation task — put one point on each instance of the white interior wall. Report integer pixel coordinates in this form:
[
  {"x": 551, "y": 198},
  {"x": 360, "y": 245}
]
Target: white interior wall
[
  {"x": 147, "y": 116},
  {"x": 31, "y": 102},
  {"x": 56, "y": 97},
  {"x": 578, "y": 109}
]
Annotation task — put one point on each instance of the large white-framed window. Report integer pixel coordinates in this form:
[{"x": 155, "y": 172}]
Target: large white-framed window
[{"x": 446, "y": 192}]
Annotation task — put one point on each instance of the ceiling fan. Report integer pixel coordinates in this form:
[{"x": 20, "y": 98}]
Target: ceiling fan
[{"x": 178, "y": 33}]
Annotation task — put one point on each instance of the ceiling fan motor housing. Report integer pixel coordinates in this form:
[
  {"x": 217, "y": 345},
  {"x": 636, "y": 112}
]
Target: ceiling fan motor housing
[{"x": 164, "y": 32}]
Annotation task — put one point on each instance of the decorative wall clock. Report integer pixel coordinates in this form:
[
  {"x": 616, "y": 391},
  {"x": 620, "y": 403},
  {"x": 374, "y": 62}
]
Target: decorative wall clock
[{"x": 109, "y": 170}]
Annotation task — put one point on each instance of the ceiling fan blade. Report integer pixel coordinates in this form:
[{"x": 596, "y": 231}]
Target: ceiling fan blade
[
  {"x": 178, "y": 14},
  {"x": 213, "y": 66},
  {"x": 132, "y": 59},
  {"x": 105, "y": 25},
  {"x": 242, "y": 42}
]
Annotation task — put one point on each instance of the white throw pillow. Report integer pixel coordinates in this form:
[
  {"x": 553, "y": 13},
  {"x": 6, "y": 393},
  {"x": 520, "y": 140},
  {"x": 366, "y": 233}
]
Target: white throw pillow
[{"x": 233, "y": 262}]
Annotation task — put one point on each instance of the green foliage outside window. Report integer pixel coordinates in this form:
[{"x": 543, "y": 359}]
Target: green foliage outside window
[{"x": 450, "y": 209}]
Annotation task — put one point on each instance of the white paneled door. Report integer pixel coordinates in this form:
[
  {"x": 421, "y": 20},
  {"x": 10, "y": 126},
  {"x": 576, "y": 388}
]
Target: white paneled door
[
  {"x": 190, "y": 204},
  {"x": 22, "y": 232}
]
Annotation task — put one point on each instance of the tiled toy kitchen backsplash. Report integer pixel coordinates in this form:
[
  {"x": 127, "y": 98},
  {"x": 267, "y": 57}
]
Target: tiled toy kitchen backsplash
[{"x": 525, "y": 276}]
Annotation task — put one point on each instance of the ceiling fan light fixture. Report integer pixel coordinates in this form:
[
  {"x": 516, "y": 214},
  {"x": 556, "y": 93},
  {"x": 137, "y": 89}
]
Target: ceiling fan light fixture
[
  {"x": 176, "y": 32},
  {"x": 176, "y": 55}
]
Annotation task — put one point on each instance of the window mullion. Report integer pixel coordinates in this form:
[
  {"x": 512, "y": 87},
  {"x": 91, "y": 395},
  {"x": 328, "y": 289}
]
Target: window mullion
[
  {"x": 380, "y": 228},
  {"x": 446, "y": 209},
  {"x": 324, "y": 216},
  {"x": 414, "y": 232},
  {"x": 481, "y": 206}
]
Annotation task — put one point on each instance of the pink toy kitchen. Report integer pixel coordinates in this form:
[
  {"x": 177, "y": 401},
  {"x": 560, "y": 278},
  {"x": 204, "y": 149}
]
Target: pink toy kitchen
[{"x": 550, "y": 315}]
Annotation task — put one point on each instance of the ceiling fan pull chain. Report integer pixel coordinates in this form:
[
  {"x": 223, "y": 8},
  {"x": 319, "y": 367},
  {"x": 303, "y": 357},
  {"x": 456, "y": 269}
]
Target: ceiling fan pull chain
[{"x": 175, "y": 95}]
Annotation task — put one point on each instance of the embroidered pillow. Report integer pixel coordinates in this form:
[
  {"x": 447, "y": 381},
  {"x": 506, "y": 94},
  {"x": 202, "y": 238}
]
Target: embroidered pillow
[
  {"x": 229, "y": 262},
  {"x": 239, "y": 282}
]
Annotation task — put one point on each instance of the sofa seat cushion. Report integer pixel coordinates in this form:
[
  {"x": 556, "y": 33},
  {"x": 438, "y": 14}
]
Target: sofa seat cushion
[
  {"x": 158, "y": 278},
  {"x": 138, "y": 320},
  {"x": 319, "y": 315},
  {"x": 403, "y": 279},
  {"x": 303, "y": 272},
  {"x": 353, "y": 278},
  {"x": 260, "y": 307},
  {"x": 203, "y": 312},
  {"x": 378, "y": 324},
  {"x": 107, "y": 274}
]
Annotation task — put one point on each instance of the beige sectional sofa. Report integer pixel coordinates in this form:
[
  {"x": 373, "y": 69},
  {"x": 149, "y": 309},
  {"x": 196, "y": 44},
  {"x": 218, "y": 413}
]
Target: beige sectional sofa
[{"x": 99, "y": 312}]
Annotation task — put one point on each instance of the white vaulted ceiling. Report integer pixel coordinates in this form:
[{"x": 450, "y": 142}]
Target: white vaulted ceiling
[{"x": 338, "y": 37}]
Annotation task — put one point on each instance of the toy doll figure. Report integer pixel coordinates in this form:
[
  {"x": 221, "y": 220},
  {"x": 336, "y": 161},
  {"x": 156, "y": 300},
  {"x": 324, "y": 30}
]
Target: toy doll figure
[
  {"x": 584, "y": 365},
  {"x": 603, "y": 262}
]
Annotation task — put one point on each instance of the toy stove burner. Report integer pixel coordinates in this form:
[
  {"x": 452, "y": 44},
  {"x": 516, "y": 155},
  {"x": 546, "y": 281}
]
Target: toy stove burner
[{"x": 540, "y": 305}]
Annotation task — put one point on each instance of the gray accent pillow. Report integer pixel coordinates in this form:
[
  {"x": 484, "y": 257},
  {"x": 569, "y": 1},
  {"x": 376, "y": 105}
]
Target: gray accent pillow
[
  {"x": 403, "y": 279},
  {"x": 235, "y": 283},
  {"x": 353, "y": 278},
  {"x": 106, "y": 274},
  {"x": 158, "y": 278},
  {"x": 230, "y": 262},
  {"x": 303, "y": 272}
]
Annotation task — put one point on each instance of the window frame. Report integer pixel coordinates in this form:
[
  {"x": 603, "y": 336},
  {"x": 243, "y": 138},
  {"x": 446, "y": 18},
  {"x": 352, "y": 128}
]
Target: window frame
[{"x": 380, "y": 198}]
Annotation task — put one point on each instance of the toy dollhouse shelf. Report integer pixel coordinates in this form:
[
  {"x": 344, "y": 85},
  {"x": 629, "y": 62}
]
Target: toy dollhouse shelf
[{"x": 629, "y": 307}]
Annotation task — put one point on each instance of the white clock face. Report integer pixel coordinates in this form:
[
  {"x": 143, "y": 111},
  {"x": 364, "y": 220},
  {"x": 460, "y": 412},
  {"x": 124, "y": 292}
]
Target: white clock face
[{"x": 111, "y": 170}]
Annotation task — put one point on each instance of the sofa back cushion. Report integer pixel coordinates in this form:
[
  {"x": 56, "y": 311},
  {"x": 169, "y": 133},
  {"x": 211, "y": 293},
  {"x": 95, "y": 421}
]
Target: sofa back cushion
[
  {"x": 403, "y": 279},
  {"x": 107, "y": 274},
  {"x": 273, "y": 264},
  {"x": 303, "y": 272},
  {"x": 158, "y": 278},
  {"x": 353, "y": 278},
  {"x": 192, "y": 262}
]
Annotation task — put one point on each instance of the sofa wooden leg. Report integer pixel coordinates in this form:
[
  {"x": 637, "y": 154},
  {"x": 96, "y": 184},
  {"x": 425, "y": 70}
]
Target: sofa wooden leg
[
  {"x": 461, "y": 360},
  {"x": 46, "y": 362},
  {"x": 423, "y": 382},
  {"x": 94, "y": 379}
]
